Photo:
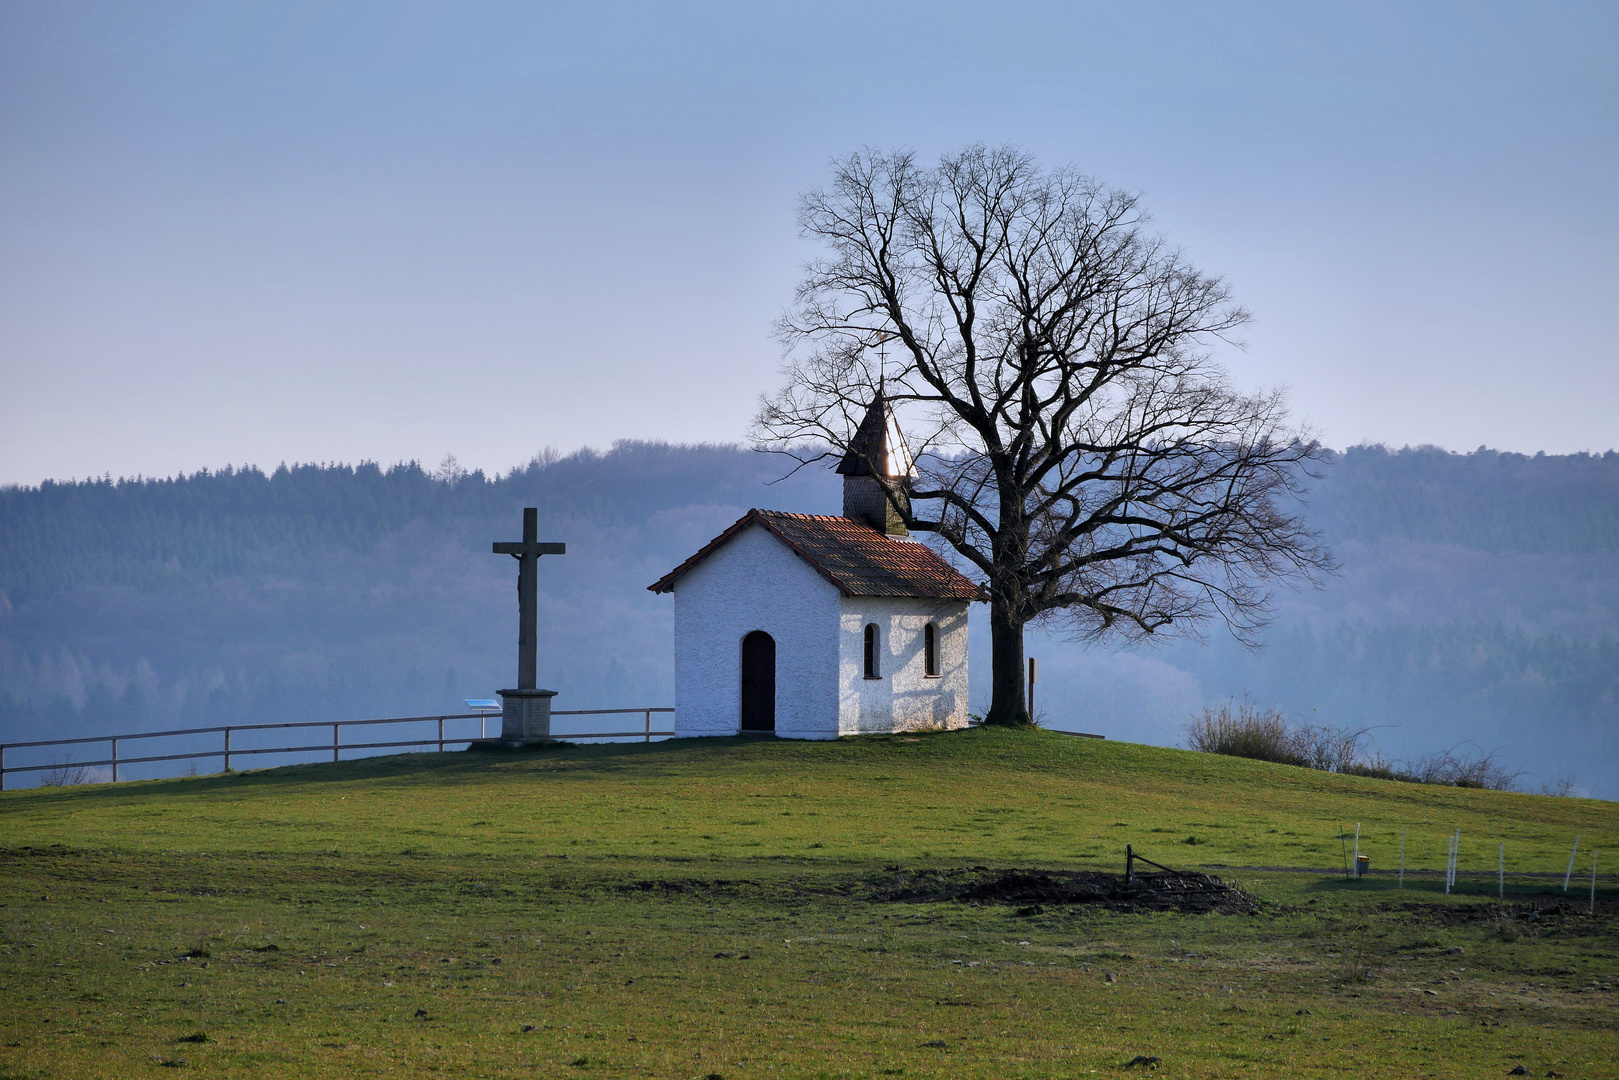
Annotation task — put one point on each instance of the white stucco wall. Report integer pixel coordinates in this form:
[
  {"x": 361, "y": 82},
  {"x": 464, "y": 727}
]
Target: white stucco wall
[
  {"x": 903, "y": 698},
  {"x": 755, "y": 583}
]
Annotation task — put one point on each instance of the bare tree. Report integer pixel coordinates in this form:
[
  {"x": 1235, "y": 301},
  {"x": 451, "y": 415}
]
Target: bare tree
[
  {"x": 450, "y": 470},
  {"x": 1563, "y": 787},
  {"x": 1243, "y": 729},
  {"x": 65, "y": 774},
  {"x": 1463, "y": 770},
  {"x": 1074, "y": 443}
]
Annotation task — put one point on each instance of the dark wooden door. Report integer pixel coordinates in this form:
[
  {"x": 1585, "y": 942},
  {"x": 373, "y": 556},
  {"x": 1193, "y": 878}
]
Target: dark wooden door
[{"x": 758, "y": 682}]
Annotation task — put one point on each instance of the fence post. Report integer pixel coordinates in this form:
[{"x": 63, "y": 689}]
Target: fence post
[{"x": 229, "y": 732}]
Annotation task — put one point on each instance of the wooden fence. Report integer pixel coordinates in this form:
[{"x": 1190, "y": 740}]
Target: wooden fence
[{"x": 227, "y": 751}]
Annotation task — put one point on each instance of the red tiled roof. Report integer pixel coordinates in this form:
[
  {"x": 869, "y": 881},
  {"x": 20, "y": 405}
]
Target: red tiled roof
[{"x": 850, "y": 554}]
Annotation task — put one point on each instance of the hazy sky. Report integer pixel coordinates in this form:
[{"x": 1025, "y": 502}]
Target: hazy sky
[{"x": 238, "y": 233}]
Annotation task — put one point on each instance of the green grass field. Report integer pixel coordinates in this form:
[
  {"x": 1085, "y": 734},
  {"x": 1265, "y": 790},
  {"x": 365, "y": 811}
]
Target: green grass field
[{"x": 717, "y": 908}]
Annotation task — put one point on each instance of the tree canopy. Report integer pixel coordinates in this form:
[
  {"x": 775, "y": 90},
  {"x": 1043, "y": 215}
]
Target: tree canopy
[{"x": 1049, "y": 358}]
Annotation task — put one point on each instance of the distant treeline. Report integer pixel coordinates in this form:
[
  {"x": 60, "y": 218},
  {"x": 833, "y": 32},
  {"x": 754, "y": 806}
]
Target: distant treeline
[
  {"x": 1486, "y": 500},
  {"x": 189, "y": 530},
  {"x": 1479, "y": 598}
]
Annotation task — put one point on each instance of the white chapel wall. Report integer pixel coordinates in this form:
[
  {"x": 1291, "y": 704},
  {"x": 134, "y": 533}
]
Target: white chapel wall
[
  {"x": 755, "y": 583},
  {"x": 903, "y": 698}
]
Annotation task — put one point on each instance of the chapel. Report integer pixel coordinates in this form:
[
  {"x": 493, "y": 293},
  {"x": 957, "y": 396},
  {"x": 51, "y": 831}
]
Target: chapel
[{"x": 811, "y": 627}]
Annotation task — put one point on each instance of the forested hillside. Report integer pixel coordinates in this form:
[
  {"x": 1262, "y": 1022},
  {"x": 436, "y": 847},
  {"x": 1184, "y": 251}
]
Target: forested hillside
[
  {"x": 331, "y": 591},
  {"x": 1478, "y": 603}
]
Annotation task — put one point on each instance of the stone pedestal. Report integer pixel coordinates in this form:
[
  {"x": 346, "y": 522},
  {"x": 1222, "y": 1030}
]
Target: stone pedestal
[{"x": 525, "y": 716}]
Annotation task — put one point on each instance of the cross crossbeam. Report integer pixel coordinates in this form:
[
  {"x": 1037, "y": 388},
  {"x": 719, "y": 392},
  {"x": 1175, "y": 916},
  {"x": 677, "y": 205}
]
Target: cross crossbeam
[{"x": 527, "y": 552}]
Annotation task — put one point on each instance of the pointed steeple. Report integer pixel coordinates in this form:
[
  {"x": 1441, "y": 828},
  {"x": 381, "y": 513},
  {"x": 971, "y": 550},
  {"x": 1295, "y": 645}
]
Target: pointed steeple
[{"x": 877, "y": 449}]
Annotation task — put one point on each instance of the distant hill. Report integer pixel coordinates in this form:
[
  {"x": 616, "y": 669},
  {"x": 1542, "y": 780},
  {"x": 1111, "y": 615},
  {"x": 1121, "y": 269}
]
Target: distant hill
[
  {"x": 1477, "y": 607},
  {"x": 1479, "y": 600}
]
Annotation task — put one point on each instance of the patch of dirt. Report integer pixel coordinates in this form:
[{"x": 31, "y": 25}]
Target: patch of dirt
[
  {"x": 27, "y": 850},
  {"x": 1033, "y": 890},
  {"x": 678, "y": 886},
  {"x": 1550, "y": 910}
]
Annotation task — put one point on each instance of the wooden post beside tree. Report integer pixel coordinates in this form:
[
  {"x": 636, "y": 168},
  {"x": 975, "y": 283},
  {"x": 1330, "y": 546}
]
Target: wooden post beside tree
[{"x": 1034, "y": 677}]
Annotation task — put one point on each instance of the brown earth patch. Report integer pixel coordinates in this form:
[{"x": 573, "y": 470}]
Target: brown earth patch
[
  {"x": 1566, "y": 913},
  {"x": 1033, "y": 890}
]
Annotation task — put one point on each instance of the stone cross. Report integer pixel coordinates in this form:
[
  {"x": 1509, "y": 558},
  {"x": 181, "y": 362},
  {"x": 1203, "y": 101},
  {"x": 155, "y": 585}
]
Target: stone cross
[{"x": 526, "y": 710}]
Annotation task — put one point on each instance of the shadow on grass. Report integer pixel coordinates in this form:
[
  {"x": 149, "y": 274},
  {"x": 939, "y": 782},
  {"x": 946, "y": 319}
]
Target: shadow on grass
[
  {"x": 1471, "y": 894},
  {"x": 582, "y": 761}
]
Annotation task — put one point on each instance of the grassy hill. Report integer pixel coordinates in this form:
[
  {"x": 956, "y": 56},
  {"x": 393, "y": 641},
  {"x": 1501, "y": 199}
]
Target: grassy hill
[{"x": 727, "y": 907}]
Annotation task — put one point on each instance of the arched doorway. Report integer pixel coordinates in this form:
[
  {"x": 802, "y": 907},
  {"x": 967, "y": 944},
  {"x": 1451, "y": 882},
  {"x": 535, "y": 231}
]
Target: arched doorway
[{"x": 758, "y": 682}]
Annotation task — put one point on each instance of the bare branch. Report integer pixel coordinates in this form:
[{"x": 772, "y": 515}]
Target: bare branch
[{"x": 1075, "y": 442}]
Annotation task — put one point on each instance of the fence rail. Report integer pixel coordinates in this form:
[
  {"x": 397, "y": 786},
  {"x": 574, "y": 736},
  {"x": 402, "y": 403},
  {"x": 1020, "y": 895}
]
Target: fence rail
[{"x": 336, "y": 746}]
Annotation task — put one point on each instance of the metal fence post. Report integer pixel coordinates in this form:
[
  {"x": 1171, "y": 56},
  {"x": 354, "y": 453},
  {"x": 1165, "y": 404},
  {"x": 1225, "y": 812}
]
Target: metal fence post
[
  {"x": 334, "y": 742},
  {"x": 115, "y": 761},
  {"x": 649, "y": 725},
  {"x": 227, "y": 749},
  {"x": 2, "y": 767},
  {"x": 441, "y": 734}
]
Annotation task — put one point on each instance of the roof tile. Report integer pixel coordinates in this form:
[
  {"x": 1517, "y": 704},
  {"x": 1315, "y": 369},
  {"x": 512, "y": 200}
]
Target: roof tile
[{"x": 850, "y": 554}]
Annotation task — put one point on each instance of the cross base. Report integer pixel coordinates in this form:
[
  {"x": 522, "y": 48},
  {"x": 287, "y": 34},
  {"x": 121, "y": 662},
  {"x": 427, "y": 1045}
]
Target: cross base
[{"x": 525, "y": 717}]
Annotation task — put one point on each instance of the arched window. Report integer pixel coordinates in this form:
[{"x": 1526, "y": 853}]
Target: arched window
[
  {"x": 872, "y": 669},
  {"x": 930, "y": 651}
]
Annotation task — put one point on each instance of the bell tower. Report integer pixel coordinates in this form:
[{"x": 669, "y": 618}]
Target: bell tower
[{"x": 877, "y": 449}]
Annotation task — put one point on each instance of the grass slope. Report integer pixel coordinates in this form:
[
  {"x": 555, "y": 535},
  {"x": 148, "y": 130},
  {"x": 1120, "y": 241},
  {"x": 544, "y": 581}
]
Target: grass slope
[{"x": 713, "y": 908}]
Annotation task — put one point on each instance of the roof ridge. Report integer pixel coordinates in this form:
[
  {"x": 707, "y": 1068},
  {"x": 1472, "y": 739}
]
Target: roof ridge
[
  {"x": 812, "y": 517},
  {"x": 850, "y": 554}
]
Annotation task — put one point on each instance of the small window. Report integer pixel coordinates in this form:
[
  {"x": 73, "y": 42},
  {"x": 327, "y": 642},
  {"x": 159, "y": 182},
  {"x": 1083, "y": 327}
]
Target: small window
[
  {"x": 930, "y": 651},
  {"x": 872, "y": 670}
]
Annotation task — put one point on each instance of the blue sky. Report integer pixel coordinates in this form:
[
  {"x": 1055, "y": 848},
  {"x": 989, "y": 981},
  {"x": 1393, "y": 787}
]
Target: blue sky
[{"x": 235, "y": 233}]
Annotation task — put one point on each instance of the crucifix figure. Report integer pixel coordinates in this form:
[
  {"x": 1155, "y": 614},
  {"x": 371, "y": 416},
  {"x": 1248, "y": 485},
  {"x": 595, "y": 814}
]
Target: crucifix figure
[
  {"x": 526, "y": 710},
  {"x": 527, "y": 552}
]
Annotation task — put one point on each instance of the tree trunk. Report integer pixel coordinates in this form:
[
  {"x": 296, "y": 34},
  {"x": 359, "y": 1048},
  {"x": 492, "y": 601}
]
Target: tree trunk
[{"x": 1007, "y": 707}]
